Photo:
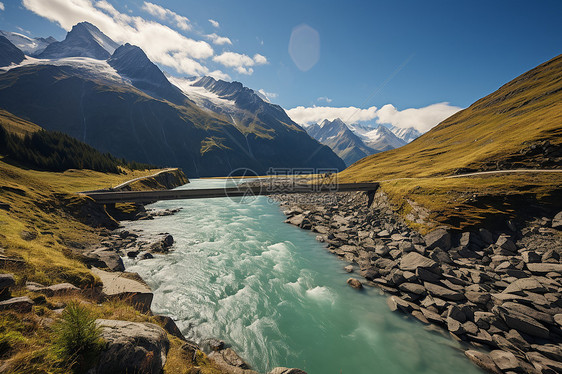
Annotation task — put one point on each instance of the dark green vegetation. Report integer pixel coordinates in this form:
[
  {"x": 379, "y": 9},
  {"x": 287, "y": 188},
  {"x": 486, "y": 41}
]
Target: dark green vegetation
[
  {"x": 519, "y": 126},
  {"x": 55, "y": 151},
  {"x": 77, "y": 338}
]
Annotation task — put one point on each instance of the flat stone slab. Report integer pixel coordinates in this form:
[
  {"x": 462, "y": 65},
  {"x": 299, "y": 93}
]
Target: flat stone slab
[
  {"x": 116, "y": 285},
  {"x": 21, "y": 304}
]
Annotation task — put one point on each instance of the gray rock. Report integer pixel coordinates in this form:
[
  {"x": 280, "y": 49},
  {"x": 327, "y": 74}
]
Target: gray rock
[
  {"x": 21, "y": 304},
  {"x": 525, "y": 284},
  {"x": 414, "y": 288},
  {"x": 543, "y": 364},
  {"x": 523, "y": 323},
  {"x": 440, "y": 256},
  {"x": 281, "y": 370},
  {"x": 442, "y": 292},
  {"x": 543, "y": 268},
  {"x": 530, "y": 256},
  {"x": 132, "y": 347},
  {"x": 413, "y": 260},
  {"x": 557, "y": 221},
  {"x": 117, "y": 286},
  {"x": 427, "y": 276},
  {"x": 552, "y": 351},
  {"x": 456, "y": 313},
  {"x": 230, "y": 361},
  {"x": 104, "y": 258},
  {"x": 395, "y": 303},
  {"x": 349, "y": 269},
  {"x": 438, "y": 238},
  {"x": 528, "y": 311},
  {"x": 64, "y": 289},
  {"x": 506, "y": 243},
  {"x": 477, "y": 297},
  {"x": 470, "y": 328},
  {"x": 6, "y": 282},
  {"x": 454, "y": 326},
  {"x": 355, "y": 283},
  {"x": 515, "y": 338},
  {"x": 504, "y": 360},
  {"x": 482, "y": 360}
]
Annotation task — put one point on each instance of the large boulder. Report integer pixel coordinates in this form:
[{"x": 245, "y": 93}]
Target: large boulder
[
  {"x": 482, "y": 360},
  {"x": 438, "y": 238},
  {"x": 103, "y": 258},
  {"x": 132, "y": 347},
  {"x": 116, "y": 285},
  {"x": 413, "y": 260}
]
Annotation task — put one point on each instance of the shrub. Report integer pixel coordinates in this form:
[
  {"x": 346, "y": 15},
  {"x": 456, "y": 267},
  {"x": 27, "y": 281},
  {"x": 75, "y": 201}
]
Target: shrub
[{"x": 77, "y": 338}]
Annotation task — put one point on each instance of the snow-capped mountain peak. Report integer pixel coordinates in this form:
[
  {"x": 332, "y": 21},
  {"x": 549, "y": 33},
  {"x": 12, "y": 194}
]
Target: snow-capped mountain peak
[
  {"x": 84, "y": 40},
  {"x": 405, "y": 133},
  {"x": 29, "y": 46}
]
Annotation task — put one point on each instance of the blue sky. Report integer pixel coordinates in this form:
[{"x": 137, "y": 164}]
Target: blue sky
[{"x": 410, "y": 54}]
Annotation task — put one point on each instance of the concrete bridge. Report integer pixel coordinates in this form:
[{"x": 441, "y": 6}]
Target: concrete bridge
[{"x": 111, "y": 197}]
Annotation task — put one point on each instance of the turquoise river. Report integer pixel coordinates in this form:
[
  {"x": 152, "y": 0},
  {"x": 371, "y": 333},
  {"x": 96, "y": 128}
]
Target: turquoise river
[{"x": 271, "y": 291}]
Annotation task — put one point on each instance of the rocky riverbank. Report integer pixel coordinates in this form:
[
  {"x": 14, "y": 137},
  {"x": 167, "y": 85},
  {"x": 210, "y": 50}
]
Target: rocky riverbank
[{"x": 498, "y": 292}]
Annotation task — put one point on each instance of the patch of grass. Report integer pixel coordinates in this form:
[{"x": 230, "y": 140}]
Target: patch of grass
[
  {"x": 76, "y": 337},
  {"x": 468, "y": 202}
]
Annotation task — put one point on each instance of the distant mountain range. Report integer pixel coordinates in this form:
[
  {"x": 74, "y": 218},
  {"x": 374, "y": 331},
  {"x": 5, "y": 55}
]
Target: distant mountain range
[
  {"x": 115, "y": 99},
  {"x": 353, "y": 142}
]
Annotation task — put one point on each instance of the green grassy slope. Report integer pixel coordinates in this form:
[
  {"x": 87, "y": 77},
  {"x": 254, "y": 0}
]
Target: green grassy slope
[{"x": 496, "y": 131}]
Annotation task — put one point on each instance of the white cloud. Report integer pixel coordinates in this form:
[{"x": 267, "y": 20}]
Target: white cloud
[
  {"x": 268, "y": 95},
  {"x": 219, "y": 40},
  {"x": 259, "y": 59},
  {"x": 2, "y": 6},
  {"x": 214, "y": 23},
  {"x": 316, "y": 114},
  {"x": 217, "y": 74},
  {"x": 324, "y": 98},
  {"x": 423, "y": 119},
  {"x": 162, "y": 44},
  {"x": 166, "y": 14},
  {"x": 240, "y": 62}
]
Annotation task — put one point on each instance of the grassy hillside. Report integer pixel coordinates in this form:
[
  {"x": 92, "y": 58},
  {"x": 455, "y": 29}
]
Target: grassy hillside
[
  {"x": 15, "y": 125},
  {"x": 494, "y": 131},
  {"x": 518, "y": 126}
]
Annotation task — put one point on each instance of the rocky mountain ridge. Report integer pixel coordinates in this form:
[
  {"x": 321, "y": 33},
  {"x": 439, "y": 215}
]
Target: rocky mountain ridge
[{"x": 115, "y": 99}]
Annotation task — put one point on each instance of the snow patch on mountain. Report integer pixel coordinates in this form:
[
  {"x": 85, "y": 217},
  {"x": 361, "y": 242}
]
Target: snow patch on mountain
[
  {"x": 29, "y": 46},
  {"x": 88, "y": 66},
  {"x": 199, "y": 94}
]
